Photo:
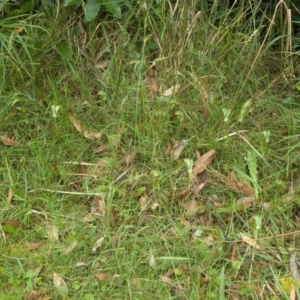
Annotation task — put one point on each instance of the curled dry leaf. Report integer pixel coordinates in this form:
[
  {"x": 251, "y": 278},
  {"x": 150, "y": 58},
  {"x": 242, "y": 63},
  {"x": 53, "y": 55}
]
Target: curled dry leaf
[
  {"x": 178, "y": 148},
  {"x": 172, "y": 90},
  {"x": 191, "y": 206},
  {"x": 9, "y": 196},
  {"x": 87, "y": 133},
  {"x": 250, "y": 241},
  {"x": 239, "y": 187},
  {"x": 245, "y": 202},
  {"x": 70, "y": 247},
  {"x": 203, "y": 161},
  {"x": 102, "y": 64},
  {"x": 103, "y": 276},
  {"x": 152, "y": 261},
  {"x": 92, "y": 134},
  {"x": 9, "y": 142},
  {"x": 294, "y": 266},
  {"x": 135, "y": 283},
  {"x": 52, "y": 232},
  {"x": 232, "y": 183},
  {"x": 144, "y": 203},
  {"x": 59, "y": 283},
  {"x": 97, "y": 244}
]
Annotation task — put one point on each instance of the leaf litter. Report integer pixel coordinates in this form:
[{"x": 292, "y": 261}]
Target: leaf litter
[{"x": 87, "y": 133}]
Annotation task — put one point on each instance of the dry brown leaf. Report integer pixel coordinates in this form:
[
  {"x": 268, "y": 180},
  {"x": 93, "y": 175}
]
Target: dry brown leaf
[
  {"x": 135, "y": 283},
  {"x": 172, "y": 90},
  {"x": 81, "y": 264},
  {"x": 52, "y": 232},
  {"x": 9, "y": 196},
  {"x": 250, "y": 241},
  {"x": 169, "y": 149},
  {"x": 92, "y": 134},
  {"x": 20, "y": 29},
  {"x": 293, "y": 292},
  {"x": 35, "y": 295},
  {"x": 203, "y": 161},
  {"x": 89, "y": 218},
  {"x": 152, "y": 261},
  {"x": 70, "y": 248},
  {"x": 239, "y": 187},
  {"x": 151, "y": 72},
  {"x": 59, "y": 283},
  {"x": 9, "y": 142},
  {"x": 245, "y": 202},
  {"x": 103, "y": 276},
  {"x": 144, "y": 203},
  {"x": 196, "y": 188},
  {"x": 178, "y": 148},
  {"x": 76, "y": 124},
  {"x": 34, "y": 246},
  {"x": 165, "y": 279},
  {"x": 233, "y": 184},
  {"x": 191, "y": 206},
  {"x": 98, "y": 244},
  {"x": 102, "y": 148},
  {"x": 87, "y": 133},
  {"x": 13, "y": 223},
  {"x": 102, "y": 64}
]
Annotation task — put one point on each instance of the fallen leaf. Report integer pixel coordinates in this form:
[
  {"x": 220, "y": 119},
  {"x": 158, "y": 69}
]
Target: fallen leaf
[
  {"x": 103, "y": 276},
  {"x": 165, "y": 279},
  {"x": 231, "y": 182},
  {"x": 89, "y": 218},
  {"x": 245, "y": 202},
  {"x": 70, "y": 247},
  {"x": 33, "y": 246},
  {"x": 203, "y": 161},
  {"x": 20, "y": 29},
  {"x": 9, "y": 142},
  {"x": 178, "y": 148},
  {"x": 52, "y": 232},
  {"x": 102, "y": 64},
  {"x": 172, "y": 90},
  {"x": 76, "y": 124},
  {"x": 151, "y": 72},
  {"x": 152, "y": 261},
  {"x": 239, "y": 187},
  {"x": 169, "y": 149},
  {"x": 250, "y": 241},
  {"x": 102, "y": 148},
  {"x": 87, "y": 133},
  {"x": 144, "y": 203},
  {"x": 128, "y": 159},
  {"x": 191, "y": 206},
  {"x": 154, "y": 206},
  {"x": 81, "y": 264},
  {"x": 196, "y": 188},
  {"x": 293, "y": 292},
  {"x": 9, "y": 196},
  {"x": 13, "y": 223},
  {"x": 35, "y": 295},
  {"x": 97, "y": 244},
  {"x": 92, "y": 134},
  {"x": 135, "y": 283},
  {"x": 60, "y": 284},
  {"x": 197, "y": 233}
]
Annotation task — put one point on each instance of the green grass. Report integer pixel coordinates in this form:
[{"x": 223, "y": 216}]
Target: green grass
[{"x": 60, "y": 181}]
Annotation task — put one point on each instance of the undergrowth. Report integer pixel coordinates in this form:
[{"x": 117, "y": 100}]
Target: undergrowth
[{"x": 91, "y": 116}]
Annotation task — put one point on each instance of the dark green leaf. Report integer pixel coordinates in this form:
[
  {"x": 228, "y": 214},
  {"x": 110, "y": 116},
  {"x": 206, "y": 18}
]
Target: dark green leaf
[
  {"x": 92, "y": 8},
  {"x": 71, "y": 2},
  {"x": 114, "y": 7}
]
